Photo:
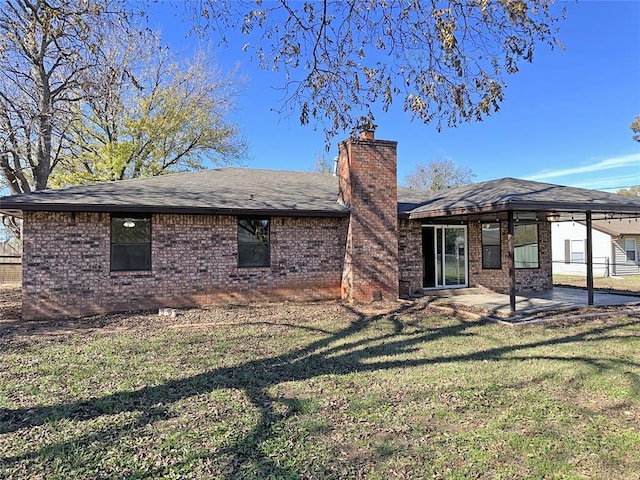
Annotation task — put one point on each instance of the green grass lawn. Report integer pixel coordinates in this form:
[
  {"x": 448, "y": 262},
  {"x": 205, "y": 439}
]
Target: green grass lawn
[
  {"x": 629, "y": 283},
  {"x": 318, "y": 391}
]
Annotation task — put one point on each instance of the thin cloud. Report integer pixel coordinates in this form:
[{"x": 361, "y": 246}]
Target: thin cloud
[
  {"x": 609, "y": 183},
  {"x": 608, "y": 164}
]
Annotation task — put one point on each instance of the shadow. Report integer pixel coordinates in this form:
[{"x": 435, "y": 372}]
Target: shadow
[{"x": 338, "y": 353}]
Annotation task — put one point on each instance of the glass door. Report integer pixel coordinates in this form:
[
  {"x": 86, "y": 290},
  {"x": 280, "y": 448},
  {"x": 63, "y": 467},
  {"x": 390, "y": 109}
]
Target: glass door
[
  {"x": 445, "y": 258},
  {"x": 454, "y": 256}
]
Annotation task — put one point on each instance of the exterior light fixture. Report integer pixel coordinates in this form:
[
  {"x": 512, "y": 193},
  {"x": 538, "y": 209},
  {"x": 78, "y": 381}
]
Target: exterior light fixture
[
  {"x": 553, "y": 218},
  {"x": 129, "y": 223}
]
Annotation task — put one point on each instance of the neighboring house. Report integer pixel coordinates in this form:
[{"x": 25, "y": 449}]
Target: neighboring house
[
  {"x": 615, "y": 247},
  {"x": 235, "y": 234}
]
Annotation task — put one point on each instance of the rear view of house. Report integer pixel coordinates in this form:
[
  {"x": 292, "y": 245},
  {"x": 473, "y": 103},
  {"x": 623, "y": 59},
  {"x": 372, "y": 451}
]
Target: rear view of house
[{"x": 236, "y": 234}]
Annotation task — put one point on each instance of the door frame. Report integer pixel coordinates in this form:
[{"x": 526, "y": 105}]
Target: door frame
[{"x": 440, "y": 229}]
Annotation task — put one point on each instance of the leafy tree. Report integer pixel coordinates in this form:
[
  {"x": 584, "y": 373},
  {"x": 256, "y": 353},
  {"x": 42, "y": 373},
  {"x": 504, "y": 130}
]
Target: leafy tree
[
  {"x": 631, "y": 191},
  {"x": 445, "y": 61},
  {"x": 173, "y": 120},
  {"x": 73, "y": 87},
  {"x": 47, "y": 55},
  {"x": 635, "y": 127},
  {"x": 439, "y": 174}
]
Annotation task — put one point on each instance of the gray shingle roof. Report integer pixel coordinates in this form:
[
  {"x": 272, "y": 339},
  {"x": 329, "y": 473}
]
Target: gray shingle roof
[
  {"x": 253, "y": 191},
  {"x": 514, "y": 194},
  {"x": 223, "y": 190}
]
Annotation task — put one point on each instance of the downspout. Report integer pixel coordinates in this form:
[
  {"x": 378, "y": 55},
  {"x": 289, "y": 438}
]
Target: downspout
[
  {"x": 512, "y": 262},
  {"x": 589, "y": 260}
]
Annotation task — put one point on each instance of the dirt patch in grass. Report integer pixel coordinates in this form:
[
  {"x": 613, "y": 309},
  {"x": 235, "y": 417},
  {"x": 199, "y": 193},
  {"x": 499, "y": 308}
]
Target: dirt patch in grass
[
  {"x": 205, "y": 318},
  {"x": 10, "y": 303}
]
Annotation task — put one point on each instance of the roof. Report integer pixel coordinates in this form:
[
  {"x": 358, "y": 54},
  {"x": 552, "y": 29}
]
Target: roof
[
  {"x": 617, "y": 227},
  {"x": 235, "y": 190},
  {"x": 216, "y": 191},
  {"x": 525, "y": 195}
]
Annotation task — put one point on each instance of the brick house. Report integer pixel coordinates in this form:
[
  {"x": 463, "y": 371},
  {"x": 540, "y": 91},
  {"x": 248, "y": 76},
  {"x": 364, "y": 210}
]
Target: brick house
[{"x": 235, "y": 234}]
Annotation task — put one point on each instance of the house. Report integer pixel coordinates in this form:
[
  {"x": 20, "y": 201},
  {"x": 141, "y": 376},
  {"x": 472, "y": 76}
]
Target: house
[
  {"x": 615, "y": 247},
  {"x": 236, "y": 234}
]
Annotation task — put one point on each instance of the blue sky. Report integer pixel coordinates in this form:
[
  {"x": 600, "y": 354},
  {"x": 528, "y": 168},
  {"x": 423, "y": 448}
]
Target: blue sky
[{"x": 565, "y": 118}]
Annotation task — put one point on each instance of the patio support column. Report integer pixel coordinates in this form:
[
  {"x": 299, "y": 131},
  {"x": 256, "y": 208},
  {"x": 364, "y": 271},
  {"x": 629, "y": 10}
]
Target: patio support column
[
  {"x": 589, "y": 260},
  {"x": 512, "y": 262}
]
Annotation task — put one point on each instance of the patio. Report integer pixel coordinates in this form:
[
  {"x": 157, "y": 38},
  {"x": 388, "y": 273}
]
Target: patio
[{"x": 556, "y": 299}]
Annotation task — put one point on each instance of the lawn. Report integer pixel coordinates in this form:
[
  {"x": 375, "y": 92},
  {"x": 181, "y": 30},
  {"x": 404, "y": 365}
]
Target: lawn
[
  {"x": 629, "y": 283},
  {"x": 321, "y": 390}
]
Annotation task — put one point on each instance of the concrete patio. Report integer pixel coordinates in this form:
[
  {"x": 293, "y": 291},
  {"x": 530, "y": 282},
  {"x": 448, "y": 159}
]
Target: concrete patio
[{"x": 558, "y": 298}]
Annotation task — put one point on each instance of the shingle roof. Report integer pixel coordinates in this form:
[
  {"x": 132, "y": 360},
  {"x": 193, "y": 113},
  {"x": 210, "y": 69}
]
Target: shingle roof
[
  {"x": 618, "y": 226},
  {"x": 223, "y": 190},
  {"x": 514, "y": 194},
  {"x": 253, "y": 191}
]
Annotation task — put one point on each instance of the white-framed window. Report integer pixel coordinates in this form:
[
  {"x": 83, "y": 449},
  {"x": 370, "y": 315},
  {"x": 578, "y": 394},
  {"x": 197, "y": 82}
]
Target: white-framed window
[
  {"x": 630, "y": 249},
  {"x": 577, "y": 251}
]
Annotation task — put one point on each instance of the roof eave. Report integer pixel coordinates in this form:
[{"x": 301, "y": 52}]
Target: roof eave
[
  {"x": 527, "y": 206},
  {"x": 274, "y": 212}
]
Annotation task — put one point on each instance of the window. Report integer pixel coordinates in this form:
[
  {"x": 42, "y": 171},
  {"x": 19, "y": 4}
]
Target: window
[
  {"x": 525, "y": 240},
  {"x": 630, "y": 249},
  {"x": 577, "y": 251},
  {"x": 491, "y": 245},
  {"x": 253, "y": 242},
  {"x": 130, "y": 243}
]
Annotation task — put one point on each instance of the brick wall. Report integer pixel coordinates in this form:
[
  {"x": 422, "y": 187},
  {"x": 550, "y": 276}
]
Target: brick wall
[
  {"x": 527, "y": 280},
  {"x": 410, "y": 268},
  {"x": 368, "y": 185},
  {"x": 66, "y": 264}
]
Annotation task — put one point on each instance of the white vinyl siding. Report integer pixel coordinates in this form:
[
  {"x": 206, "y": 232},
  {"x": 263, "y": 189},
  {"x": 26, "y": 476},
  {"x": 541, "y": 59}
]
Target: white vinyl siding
[
  {"x": 626, "y": 255},
  {"x": 563, "y": 236}
]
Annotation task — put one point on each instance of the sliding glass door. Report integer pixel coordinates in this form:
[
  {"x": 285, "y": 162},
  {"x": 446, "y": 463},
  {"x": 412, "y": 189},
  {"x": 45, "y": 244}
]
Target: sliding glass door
[{"x": 445, "y": 256}]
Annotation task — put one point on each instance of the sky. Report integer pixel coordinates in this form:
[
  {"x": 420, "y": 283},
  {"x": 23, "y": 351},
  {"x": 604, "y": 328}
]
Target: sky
[{"x": 565, "y": 118}]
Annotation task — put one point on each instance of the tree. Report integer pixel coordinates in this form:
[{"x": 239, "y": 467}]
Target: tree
[
  {"x": 439, "y": 174},
  {"x": 173, "y": 120},
  {"x": 345, "y": 59},
  {"x": 47, "y": 55},
  {"x": 635, "y": 127},
  {"x": 633, "y": 191},
  {"x": 322, "y": 164},
  {"x": 69, "y": 93}
]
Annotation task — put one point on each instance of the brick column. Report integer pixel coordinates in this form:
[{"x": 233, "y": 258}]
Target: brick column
[{"x": 368, "y": 186}]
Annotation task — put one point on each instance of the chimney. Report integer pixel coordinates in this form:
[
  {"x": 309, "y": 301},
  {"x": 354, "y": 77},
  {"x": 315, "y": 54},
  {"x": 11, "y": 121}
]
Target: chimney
[{"x": 367, "y": 180}]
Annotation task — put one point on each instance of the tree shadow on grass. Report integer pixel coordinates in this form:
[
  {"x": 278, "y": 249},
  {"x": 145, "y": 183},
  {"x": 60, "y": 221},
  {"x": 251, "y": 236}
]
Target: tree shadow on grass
[{"x": 343, "y": 352}]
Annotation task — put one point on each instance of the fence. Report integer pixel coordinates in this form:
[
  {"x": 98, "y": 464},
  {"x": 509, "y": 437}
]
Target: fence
[
  {"x": 601, "y": 267},
  {"x": 10, "y": 262},
  {"x": 10, "y": 269}
]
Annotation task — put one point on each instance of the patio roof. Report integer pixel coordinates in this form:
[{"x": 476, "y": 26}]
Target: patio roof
[{"x": 511, "y": 194}]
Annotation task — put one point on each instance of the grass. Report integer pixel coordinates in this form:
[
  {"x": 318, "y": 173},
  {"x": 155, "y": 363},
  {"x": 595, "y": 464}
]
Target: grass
[
  {"x": 319, "y": 391},
  {"x": 629, "y": 283}
]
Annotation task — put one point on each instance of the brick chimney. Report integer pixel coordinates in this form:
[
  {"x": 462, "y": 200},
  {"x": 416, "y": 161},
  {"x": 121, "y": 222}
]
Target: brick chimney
[{"x": 367, "y": 179}]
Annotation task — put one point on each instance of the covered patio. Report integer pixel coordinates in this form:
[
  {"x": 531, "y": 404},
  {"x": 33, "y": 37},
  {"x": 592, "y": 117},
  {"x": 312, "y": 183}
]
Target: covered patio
[
  {"x": 556, "y": 299},
  {"x": 510, "y": 201}
]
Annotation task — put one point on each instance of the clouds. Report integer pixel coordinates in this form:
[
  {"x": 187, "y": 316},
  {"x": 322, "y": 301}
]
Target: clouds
[{"x": 610, "y": 173}]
